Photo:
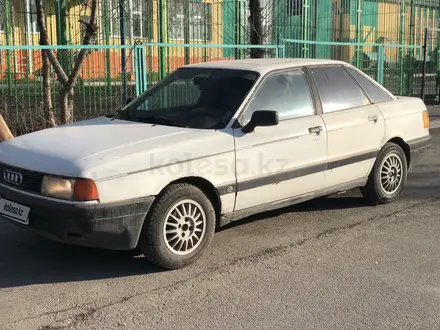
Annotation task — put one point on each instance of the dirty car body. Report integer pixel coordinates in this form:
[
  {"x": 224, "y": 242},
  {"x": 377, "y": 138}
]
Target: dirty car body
[{"x": 210, "y": 144}]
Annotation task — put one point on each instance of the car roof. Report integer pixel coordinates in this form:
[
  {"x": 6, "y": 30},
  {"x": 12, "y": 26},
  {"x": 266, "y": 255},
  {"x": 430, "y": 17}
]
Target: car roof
[{"x": 263, "y": 65}]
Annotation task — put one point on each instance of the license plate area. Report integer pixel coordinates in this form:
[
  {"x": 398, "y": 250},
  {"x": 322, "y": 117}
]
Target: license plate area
[{"x": 15, "y": 211}]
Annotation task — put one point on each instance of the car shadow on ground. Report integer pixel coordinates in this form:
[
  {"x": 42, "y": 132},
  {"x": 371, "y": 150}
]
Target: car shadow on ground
[
  {"x": 27, "y": 259},
  {"x": 349, "y": 200}
]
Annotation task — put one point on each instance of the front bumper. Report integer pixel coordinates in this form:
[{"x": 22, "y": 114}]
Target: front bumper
[
  {"x": 114, "y": 226},
  {"x": 418, "y": 149}
]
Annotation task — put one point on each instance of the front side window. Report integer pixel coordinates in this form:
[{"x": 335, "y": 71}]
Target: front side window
[
  {"x": 375, "y": 93},
  {"x": 287, "y": 92},
  {"x": 337, "y": 90},
  {"x": 193, "y": 97}
]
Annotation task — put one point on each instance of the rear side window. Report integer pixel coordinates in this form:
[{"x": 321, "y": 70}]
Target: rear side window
[
  {"x": 375, "y": 93},
  {"x": 337, "y": 89}
]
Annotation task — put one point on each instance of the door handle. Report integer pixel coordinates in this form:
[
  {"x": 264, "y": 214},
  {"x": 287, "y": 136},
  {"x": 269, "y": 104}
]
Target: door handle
[
  {"x": 315, "y": 130},
  {"x": 373, "y": 118}
]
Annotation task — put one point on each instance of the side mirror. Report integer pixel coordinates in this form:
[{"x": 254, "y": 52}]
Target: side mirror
[{"x": 261, "y": 118}]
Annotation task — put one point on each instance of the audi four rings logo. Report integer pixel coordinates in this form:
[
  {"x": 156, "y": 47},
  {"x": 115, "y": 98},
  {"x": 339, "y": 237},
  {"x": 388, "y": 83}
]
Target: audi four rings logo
[{"x": 12, "y": 177}]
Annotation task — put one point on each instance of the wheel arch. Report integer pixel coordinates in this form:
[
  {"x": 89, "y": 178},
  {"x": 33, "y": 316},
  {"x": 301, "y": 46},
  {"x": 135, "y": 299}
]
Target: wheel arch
[
  {"x": 405, "y": 147},
  {"x": 204, "y": 185}
]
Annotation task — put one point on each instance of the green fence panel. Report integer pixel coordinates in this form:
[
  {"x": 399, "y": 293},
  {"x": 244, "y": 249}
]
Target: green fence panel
[
  {"x": 379, "y": 61},
  {"x": 140, "y": 69},
  {"x": 380, "y": 64}
]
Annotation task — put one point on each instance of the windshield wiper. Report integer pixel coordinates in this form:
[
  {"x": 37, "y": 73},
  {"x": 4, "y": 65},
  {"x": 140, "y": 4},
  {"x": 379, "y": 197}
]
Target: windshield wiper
[
  {"x": 123, "y": 114},
  {"x": 160, "y": 121}
]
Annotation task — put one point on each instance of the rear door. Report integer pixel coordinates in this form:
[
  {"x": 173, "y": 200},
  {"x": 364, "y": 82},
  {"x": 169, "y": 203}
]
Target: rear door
[{"x": 355, "y": 126}]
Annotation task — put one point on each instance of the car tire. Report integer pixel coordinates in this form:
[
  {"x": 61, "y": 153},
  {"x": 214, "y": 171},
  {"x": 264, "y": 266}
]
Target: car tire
[
  {"x": 388, "y": 176},
  {"x": 179, "y": 227}
]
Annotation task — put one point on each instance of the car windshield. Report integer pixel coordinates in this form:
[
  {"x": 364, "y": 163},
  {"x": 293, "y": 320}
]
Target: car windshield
[{"x": 192, "y": 97}]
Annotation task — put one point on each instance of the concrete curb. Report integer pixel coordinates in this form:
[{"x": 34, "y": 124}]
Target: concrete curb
[{"x": 434, "y": 130}]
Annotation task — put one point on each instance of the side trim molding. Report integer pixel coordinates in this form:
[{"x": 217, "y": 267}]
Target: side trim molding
[{"x": 295, "y": 173}]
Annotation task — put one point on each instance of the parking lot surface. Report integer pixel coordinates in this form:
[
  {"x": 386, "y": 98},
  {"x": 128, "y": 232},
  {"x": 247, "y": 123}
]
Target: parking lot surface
[{"x": 328, "y": 263}]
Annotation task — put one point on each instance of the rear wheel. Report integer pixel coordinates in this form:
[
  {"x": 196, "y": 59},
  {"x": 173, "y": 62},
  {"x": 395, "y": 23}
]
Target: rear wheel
[
  {"x": 179, "y": 228},
  {"x": 388, "y": 176}
]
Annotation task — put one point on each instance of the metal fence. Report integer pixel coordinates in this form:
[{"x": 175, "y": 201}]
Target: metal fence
[
  {"x": 221, "y": 21},
  {"x": 398, "y": 67},
  {"x": 110, "y": 75},
  {"x": 431, "y": 66}
]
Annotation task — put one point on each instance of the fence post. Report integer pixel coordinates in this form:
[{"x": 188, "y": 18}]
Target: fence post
[
  {"x": 186, "y": 36},
  {"x": 123, "y": 55},
  {"x": 8, "y": 43},
  {"x": 359, "y": 32},
  {"x": 438, "y": 58},
  {"x": 402, "y": 50},
  {"x": 140, "y": 69},
  {"x": 283, "y": 49},
  {"x": 425, "y": 58},
  {"x": 380, "y": 64},
  {"x": 412, "y": 26},
  {"x": 162, "y": 34},
  {"x": 306, "y": 29},
  {"x": 107, "y": 42}
]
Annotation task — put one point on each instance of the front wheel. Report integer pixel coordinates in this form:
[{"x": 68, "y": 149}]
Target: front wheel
[
  {"x": 388, "y": 176},
  {"x": 179, "y": 228}
]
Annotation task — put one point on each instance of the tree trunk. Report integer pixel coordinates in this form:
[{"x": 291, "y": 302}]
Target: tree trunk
[
  {"x": 47, "y": 88},
  {"x": 256, "y": 23},
  {"x": 68, "y": 82},
  {"x": 47, "y": 91}
]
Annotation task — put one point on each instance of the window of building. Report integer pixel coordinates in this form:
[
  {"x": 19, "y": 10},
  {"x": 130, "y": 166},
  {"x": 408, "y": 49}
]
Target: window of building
[
  {"x": 199, "y": 21},
  {"x": 287, "y": 92},
  {"x": 115, "y": 21},
  {"x": 33, "y": 17},
  {"x": 337, "y": 89},
  {"x": 137, "y": 18}
]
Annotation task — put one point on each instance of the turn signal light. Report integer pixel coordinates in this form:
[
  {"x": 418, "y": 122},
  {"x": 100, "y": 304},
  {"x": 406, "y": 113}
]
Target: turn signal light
[
  {"x": 425, "y": 119},
  {"x": 85, "y": 190}
]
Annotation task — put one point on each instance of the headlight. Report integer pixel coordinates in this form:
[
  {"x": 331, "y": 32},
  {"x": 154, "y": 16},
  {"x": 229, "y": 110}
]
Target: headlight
[
  {"x": 57, "y": 187},
  {"x": 69, "y": 189}
]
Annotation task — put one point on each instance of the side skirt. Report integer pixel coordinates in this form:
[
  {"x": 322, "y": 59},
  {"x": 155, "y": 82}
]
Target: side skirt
[{"x": 241, "y": 214}]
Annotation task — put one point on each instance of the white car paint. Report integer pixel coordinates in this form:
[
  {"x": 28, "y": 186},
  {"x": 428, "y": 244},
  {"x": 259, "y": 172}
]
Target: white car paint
[{"x": 129, "y": 160}]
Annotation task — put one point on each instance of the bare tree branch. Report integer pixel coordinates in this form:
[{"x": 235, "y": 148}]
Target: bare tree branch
[
  {"x": 44, "y": 41},
  {"x": 90, "y": 34},
  {"x": 256, "y": 23},
  {"x": 67, "y": 92}
]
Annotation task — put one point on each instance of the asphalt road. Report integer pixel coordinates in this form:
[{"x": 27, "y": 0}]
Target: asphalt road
[{"x": 332, "y": 263}]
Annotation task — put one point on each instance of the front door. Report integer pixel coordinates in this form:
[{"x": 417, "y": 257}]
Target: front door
[{"x": 283, "y": 161}]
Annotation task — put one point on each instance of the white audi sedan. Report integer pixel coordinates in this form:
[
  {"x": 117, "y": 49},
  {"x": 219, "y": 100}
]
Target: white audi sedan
[{"x": 210, "y": 144}]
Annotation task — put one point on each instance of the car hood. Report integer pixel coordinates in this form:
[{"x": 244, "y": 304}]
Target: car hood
[{"x": 75, "y": 149}]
